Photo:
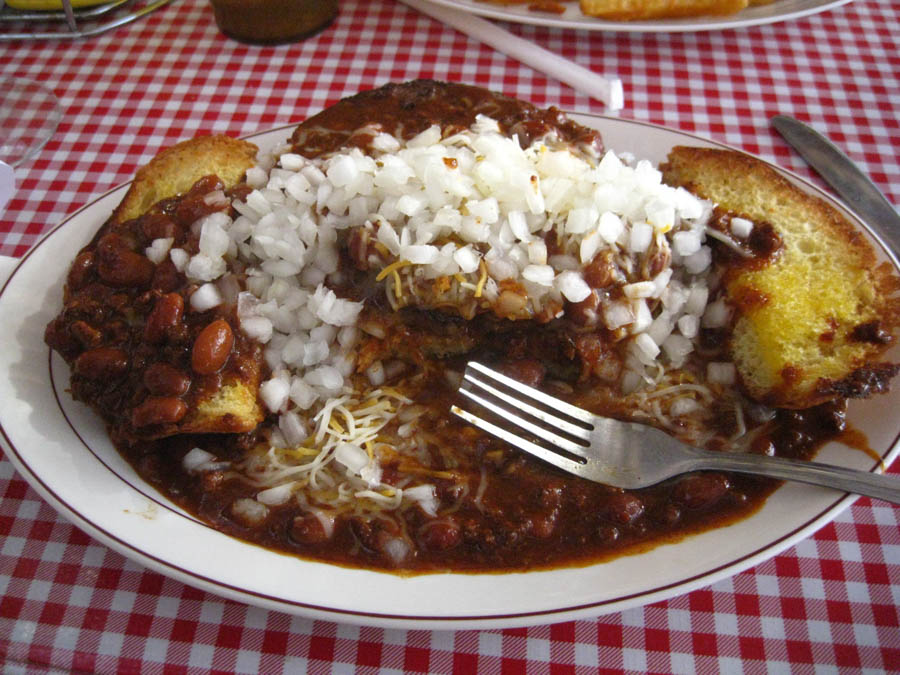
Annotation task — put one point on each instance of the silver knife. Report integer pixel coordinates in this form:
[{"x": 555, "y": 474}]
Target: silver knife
[{"x": 842, "y": 174}]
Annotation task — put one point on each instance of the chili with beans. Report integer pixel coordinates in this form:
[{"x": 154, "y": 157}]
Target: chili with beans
[{"x": 146, "y": 362}]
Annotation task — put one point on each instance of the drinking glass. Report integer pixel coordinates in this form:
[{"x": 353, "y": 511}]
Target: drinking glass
[{"x": 29, "y": 116}]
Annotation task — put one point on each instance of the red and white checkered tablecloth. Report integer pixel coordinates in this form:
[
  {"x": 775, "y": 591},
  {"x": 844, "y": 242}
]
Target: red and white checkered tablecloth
[{"x": 67, "y": 603}]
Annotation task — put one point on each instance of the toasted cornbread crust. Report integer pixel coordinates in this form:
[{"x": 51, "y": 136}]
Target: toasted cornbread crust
[
  {"x": 233, "y": 409},
  {"x": 98, "y": 306},
  {"x": 827, "y": 313},
  {"x": 174, "y": 170}
]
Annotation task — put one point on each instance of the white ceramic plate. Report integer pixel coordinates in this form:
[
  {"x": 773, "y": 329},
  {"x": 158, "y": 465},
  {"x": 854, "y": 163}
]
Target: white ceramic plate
[
  {"x": 780, "y": 10},
  {"x": 61, "y": 449}
]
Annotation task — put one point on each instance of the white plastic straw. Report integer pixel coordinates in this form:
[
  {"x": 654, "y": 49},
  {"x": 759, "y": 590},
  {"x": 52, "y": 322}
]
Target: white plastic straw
[
  {"x": 607, "y": 90},
  {"x": 7, "y": 184}
]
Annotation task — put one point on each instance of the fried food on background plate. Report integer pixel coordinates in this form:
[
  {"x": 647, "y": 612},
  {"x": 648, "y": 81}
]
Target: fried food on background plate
[{"x": 642, "y": 10}]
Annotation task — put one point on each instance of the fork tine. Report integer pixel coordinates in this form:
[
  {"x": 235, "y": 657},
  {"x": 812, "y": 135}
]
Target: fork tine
[
  {"x": 541, "y": 397},
  {"x": 511, "y": 417},
  {"x": 575, "y": 430},
  {"x": 554, "y": 458}
]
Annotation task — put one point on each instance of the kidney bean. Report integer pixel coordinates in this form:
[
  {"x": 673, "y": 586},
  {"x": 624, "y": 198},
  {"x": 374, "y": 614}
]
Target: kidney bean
[
  {"x": 440, "y": 535},
  {"x": 102, "y": 363},
  {"x": 308, "y": 530},
  {"x": 543, "y": 524},
  {"x": 656, "y": 262},
  {"x": 158, "y": 226},
  {"x": 120, "y": 266},
  {"x": 192, "y": 206},
  {"x": 165, "y": 316},
  {"x": 622, "y": 508},
  {"x": 374, "y": 533},
  {"x": 58, "y": 337},
  {"x": 166, "y": 277},
  {"x": 763, "y": 445},
  {"x": 81, "y": 270},
  {"x": 701, "y": 490},
  {"x": 601, "y": 271},
  {"x": 158, "y": 410},
  {"x": 358, "y": 247},
  {"x": 163, "y": 379},
  {"x": 212, "y": 347}
]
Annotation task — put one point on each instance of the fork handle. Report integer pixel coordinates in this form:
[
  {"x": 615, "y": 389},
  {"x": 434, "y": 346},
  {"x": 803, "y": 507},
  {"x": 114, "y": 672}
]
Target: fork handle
[{"x": 816, "y": 473}]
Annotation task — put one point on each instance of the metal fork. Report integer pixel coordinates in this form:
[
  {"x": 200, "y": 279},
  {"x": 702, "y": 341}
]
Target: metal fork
[{"x": 626, "y": 454}]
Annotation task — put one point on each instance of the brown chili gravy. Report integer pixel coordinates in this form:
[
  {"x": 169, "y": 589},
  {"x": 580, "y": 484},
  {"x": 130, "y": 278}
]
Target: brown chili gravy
[{"x": 529, "y": 516}]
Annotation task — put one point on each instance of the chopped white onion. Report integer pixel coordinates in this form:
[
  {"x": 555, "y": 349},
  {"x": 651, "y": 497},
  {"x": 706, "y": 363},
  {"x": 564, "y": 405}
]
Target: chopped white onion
[
  {"x": 275, "y": 496},
  {"x": 640, "y": 289},
  {"x": 274, "y": 393},
  {"x": 686, "y": 242},
  {"x": 572, "y": 285},
  {"x": 741, "y": 227},
  {"x": 617, "y": 314},
  {"x": 205, "y": 297},
  {"x": 539, "y": 274},
  {"x": 353, "y": 457},
  {"x": 196, "y": 458},
  {"x": 159, "y": 249},
  {"x": 717, "y": 314},
  {"x": 249, "y": 511},
  {"x": 641, "y": 236}
]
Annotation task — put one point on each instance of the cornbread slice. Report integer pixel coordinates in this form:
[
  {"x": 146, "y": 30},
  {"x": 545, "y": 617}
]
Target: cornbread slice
[
  {"x": 637, "y": 10},
  {"x": 100, "y": 314},
  {"x": 234, "y": 406},
  {"x": 824, "y": 313},
  {"x": 174, "y": 170}
]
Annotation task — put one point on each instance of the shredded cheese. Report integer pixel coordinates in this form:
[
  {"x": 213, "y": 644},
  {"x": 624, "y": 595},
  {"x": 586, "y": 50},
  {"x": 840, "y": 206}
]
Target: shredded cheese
[
  {"x": 479, "y": 288},
  {"x": 391, "y": 269}
]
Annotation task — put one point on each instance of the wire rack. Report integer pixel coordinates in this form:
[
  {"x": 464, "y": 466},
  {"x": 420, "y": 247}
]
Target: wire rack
[{"x": 69, "y": 23}]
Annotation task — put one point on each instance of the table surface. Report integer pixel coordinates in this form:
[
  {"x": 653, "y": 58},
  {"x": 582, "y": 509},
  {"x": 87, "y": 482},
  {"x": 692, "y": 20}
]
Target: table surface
[{"x": 67, "y": 603}]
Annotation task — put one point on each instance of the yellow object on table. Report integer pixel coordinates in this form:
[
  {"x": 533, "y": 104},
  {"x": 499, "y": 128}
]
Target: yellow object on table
[
  {"x": 632, "y": 10},
  {"x": 40, "y": 5}
]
